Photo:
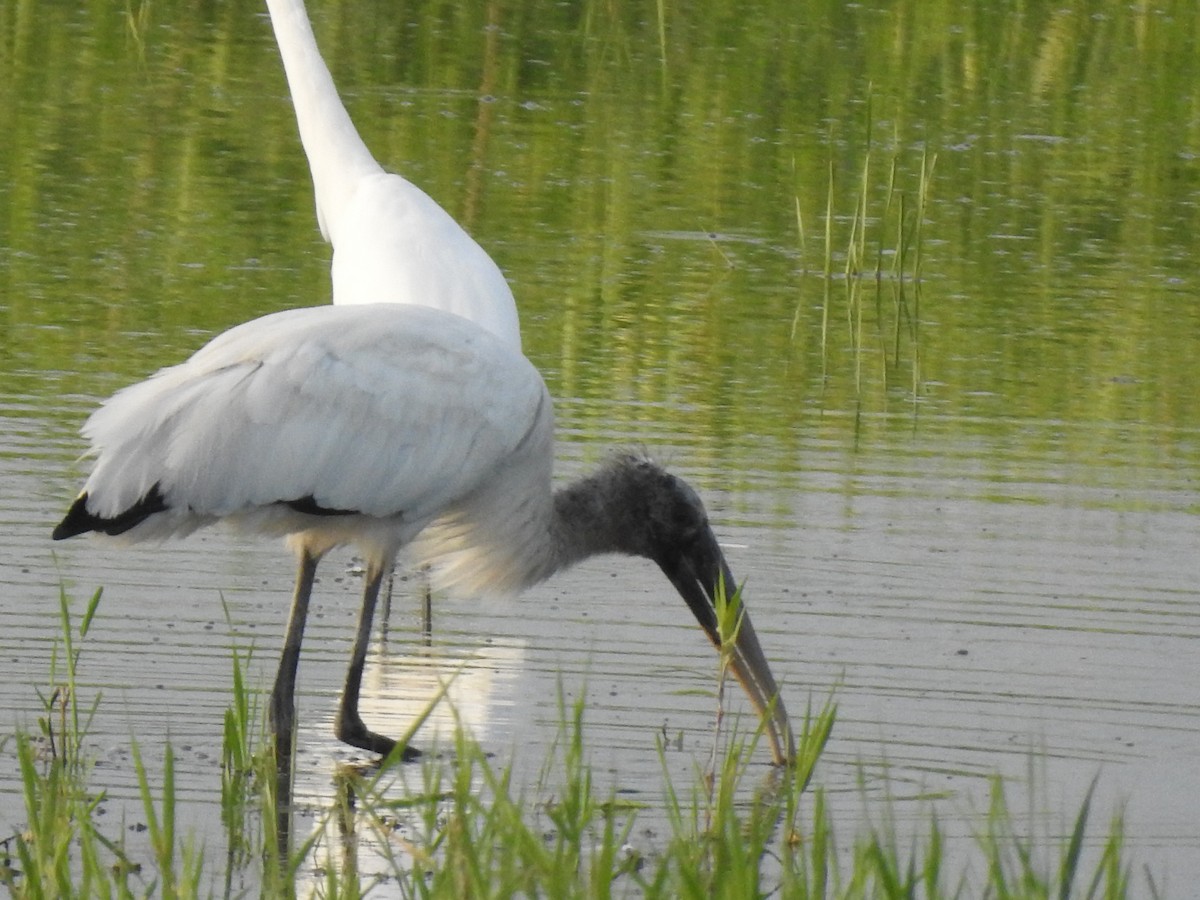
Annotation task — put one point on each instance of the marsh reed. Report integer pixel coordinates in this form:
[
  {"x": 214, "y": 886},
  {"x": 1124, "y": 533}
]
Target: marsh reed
[{"x": 872, "y": 256}]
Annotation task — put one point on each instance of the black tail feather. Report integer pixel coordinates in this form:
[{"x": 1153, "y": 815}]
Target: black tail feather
[
  {"x": 309, "y": 505},
  {"x": 79, "y": 521}
]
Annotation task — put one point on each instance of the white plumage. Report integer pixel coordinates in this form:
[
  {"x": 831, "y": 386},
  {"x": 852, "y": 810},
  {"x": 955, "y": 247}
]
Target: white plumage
[
  {"x": 391, "y": 242},
  {"x": 382, "y": 426},
  {"x": 371, "y": 409}
]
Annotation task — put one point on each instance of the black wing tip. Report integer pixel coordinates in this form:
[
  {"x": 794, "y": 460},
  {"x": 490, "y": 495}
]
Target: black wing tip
[{"x": 79, "y": 520}]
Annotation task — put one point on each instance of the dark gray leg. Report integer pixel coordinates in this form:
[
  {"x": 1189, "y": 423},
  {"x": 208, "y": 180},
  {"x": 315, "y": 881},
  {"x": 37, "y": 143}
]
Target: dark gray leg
[
  {"x": 425, "y": 586},
  {"x": 385, "y": 614},
  {"x": 350, "y": 728},
  {"x": 283, "y": 695}
]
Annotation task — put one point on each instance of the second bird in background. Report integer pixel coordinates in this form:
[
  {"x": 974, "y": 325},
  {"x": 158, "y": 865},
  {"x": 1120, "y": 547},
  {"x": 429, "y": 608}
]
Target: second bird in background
[{"x": 391, "y": 242}]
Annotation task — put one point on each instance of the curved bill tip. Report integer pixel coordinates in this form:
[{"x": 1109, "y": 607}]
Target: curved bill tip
[
  {"x": 700, "y": 579},
  {"x": 750, "y": 667}
]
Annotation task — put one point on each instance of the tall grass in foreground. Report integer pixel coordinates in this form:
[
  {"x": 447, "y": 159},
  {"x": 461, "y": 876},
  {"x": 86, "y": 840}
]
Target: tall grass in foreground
[{"x": 459, "y": 826}]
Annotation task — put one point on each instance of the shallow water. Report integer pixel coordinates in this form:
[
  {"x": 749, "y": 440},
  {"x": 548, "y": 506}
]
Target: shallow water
[{"x": 977, "y": 526}]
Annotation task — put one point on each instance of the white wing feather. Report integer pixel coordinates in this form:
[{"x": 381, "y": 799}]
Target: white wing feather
[{"x": 388, "y": 410}]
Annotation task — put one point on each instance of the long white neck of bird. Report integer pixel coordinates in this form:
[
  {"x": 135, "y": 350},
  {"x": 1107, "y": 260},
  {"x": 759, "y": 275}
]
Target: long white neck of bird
[{"x": 336, "y": 154}]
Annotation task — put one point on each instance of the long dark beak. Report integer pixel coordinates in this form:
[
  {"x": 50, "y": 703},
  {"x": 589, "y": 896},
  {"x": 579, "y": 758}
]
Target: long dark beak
[{"x": 696, "y": 577}]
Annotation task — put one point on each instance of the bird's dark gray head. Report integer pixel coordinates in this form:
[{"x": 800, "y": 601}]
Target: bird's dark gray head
[
  {"x": 658, "y": 515},
  {"x": 634, "y": 506}
]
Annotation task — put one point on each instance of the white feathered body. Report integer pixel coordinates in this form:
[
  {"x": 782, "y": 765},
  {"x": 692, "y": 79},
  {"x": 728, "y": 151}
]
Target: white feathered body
[
  {"x": 390, "y": 418},
  {"x": 391, "y": 242}
]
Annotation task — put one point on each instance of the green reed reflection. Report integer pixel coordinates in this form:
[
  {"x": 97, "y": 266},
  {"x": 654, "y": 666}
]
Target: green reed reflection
[{"x": 637, "y": 172}]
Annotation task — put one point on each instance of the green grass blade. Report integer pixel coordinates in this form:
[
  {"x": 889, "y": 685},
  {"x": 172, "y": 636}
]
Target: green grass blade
[{"x": 1070, "y": 863}]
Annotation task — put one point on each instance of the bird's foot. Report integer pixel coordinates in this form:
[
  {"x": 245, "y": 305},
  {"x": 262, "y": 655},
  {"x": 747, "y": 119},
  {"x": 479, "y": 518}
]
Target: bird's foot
[{"x": 353, "y": 732}]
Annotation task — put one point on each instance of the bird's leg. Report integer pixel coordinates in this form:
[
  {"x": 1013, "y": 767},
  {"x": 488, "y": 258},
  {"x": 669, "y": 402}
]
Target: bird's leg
[
  {"x": 426, "y": 588},
  {"x": 283, "y": 702},
  {"x": 385, "y": 614},
  {"x": 350, "y": 728}
]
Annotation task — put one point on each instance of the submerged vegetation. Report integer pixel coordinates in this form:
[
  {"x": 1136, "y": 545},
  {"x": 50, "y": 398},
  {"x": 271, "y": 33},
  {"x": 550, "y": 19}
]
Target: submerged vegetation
[
  {"x": 875, "y": 252},
  {"x": 458, "y": 826}
]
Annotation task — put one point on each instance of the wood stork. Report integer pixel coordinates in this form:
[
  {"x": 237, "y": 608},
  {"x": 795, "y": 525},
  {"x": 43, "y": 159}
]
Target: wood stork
[
  {"x": 382, "y": 426},
  {"x": 391, "y": 242}
]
